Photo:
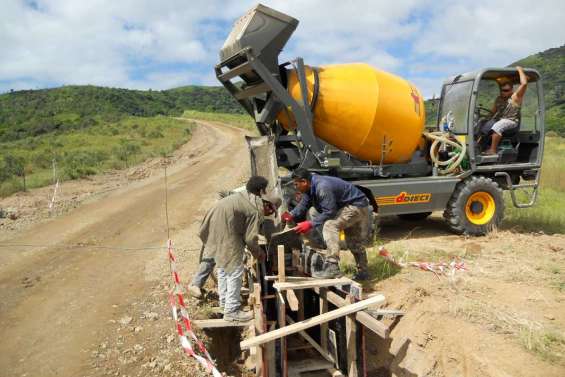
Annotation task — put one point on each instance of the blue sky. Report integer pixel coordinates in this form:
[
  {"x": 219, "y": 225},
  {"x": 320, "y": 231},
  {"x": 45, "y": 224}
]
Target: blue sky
[{"x": 146, "y": 44}]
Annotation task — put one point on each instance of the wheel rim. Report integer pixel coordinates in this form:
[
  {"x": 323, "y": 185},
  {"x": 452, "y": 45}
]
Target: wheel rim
[{"x": 480, "y": 208}]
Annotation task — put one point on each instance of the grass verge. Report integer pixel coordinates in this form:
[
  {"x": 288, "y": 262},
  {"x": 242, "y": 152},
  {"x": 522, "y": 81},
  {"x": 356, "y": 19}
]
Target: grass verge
[
  {"x": 98, "y": 149},
  {"x": 548, "y": 214},
  {"x": 80, "y": 153}
]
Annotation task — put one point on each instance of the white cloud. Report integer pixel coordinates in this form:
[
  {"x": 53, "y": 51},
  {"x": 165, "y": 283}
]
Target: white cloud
[
  {"x": 144, "y": 43},
  {"x": 349, "y": 31},
  {"x": 99, "y": 42},
  {"x": 495, "y": 32}
]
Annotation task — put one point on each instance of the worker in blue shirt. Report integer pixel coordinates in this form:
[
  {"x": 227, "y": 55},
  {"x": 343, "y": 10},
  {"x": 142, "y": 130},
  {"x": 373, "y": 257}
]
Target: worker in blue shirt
[{"x": 340, "y": 206}]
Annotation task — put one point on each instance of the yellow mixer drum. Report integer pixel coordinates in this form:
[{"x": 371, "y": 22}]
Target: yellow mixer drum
[{"x": 360, "y": 109}]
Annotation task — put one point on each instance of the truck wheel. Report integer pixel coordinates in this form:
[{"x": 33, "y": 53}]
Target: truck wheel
[
  {"x": 414, "y": 216},
  {"x": 476, "y": 207}
]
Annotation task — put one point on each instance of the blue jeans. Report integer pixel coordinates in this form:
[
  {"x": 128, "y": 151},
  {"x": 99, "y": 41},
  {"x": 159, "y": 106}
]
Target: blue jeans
[
  {"x": 204, "y": 271},
  {"x": 229, "y": 287}
]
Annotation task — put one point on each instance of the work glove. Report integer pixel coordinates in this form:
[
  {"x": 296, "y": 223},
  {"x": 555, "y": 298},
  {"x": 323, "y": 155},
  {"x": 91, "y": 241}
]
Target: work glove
[
  {"x": 303, "y": 227},
  {"x": 287, "y": 217}
]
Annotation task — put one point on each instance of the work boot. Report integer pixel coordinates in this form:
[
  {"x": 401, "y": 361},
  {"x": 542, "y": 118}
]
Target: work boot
[
  {"x": 361, "y": 275},
  {"x": 316, "y": 264},
  {"x": 195, "y": 291},
  {"x": 238, "y": 316},
  {"x": 362, "y": 266},
  {"x": 330, "y": 271}
]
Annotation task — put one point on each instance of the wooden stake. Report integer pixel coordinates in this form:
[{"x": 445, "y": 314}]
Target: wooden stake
[
  {"x": 292, "y": 300},
  {"x": 300, "y": 297},
  {"x": 281, "y": 264},
  {"x": 270, "y": 355},
  {"x": 282, "y": 324},
  {"x": 351, "y": 343},
  {"x": 324, "y": 326},
  {"x": 260, "y": 328}
]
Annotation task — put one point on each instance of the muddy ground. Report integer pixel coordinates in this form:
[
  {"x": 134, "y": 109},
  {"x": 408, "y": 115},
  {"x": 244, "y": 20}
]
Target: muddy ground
[{"x": 68, "y": 308}]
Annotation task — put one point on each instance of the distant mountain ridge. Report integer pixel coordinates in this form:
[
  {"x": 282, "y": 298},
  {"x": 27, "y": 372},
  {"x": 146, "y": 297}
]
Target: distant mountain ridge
[{"x": 35, "y": 112}]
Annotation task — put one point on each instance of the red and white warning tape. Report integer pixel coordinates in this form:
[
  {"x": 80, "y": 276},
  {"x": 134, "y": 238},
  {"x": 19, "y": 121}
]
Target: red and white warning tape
[
  {"x": 437, "y": 268},
  {"x": 184, "y": 327}
]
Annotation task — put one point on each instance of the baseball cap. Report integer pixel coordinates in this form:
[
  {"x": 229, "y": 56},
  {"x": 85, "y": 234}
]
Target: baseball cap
[{"x": 272, "y": 198}]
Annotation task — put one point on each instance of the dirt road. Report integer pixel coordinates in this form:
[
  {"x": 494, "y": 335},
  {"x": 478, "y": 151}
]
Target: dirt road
[{"x": 56, "y": 301}]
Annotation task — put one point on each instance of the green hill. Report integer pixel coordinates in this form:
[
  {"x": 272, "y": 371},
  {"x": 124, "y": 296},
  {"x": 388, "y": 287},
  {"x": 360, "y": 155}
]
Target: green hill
[
  {"x": 86, "y": 130},
  {"x": 551, "y": 64},
  {"x": 36, "y": 112}
]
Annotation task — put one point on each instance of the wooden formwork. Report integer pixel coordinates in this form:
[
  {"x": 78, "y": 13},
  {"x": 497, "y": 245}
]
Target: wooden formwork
[{"x": 303, "y": 324}]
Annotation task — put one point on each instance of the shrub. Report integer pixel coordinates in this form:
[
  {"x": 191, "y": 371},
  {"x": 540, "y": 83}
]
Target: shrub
[
  {"x": 79, "y": 164},
  {"x": 126, "y": 150}
]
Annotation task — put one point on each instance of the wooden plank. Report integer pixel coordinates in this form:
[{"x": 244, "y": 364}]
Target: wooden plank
[
  {"x": 282, "y": 324},
  {"x": 281, "y": 264},
  {"x": 362, "y": 317},
  {"x": 311, "y": 322},
  {"x": 363, "y": 350},
  {"x": 289, "y": 278},
  {"x": 260, "y": 328},
  {"x": 325, "y": 354},
  {"x": 324, "y": 326},
  {"x": 292, "y": 300},
  {"x": 300, "y": 297},
  {"x": 351, "y": 343},
  {"x": 270, "y": 355},
  {"x": 311, "y": 283},
  {"x": 215, "y": 323}
]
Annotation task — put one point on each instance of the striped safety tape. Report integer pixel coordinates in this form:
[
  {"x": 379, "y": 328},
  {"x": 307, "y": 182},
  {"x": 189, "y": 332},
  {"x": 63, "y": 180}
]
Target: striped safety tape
[
  {"x": 183, "y": 324},
  {"x": 436, "y": 268}
]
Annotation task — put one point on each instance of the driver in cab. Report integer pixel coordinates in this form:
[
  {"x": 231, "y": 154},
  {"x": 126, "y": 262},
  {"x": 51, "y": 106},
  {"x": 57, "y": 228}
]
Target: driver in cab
[{"x": 506, "y": 111}]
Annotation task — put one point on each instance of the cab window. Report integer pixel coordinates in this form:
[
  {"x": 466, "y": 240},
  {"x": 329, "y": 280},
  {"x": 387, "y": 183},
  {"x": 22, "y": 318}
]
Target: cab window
[{"x": 455, "y": 99}]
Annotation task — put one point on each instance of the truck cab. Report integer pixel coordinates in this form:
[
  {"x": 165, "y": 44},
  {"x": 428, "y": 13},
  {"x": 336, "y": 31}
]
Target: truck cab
[{"x": 469, "y": 98}]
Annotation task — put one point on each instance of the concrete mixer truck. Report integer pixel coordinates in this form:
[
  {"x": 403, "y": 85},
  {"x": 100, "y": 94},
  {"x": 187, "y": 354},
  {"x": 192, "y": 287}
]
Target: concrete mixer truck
[{"x": 368, "y": 126}]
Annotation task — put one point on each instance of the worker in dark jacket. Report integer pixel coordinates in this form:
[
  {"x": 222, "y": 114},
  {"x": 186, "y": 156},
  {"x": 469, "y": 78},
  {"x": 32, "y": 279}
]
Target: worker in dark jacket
[{"x": 340, "y": 206}]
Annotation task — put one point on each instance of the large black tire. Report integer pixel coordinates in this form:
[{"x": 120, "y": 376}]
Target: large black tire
[
  {"x": 476, "y": 207},
  {"x": 414, "y": 216}
]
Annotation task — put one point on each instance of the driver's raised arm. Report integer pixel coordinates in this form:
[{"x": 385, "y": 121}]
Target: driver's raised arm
[{"x": 518, "y": 95}]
